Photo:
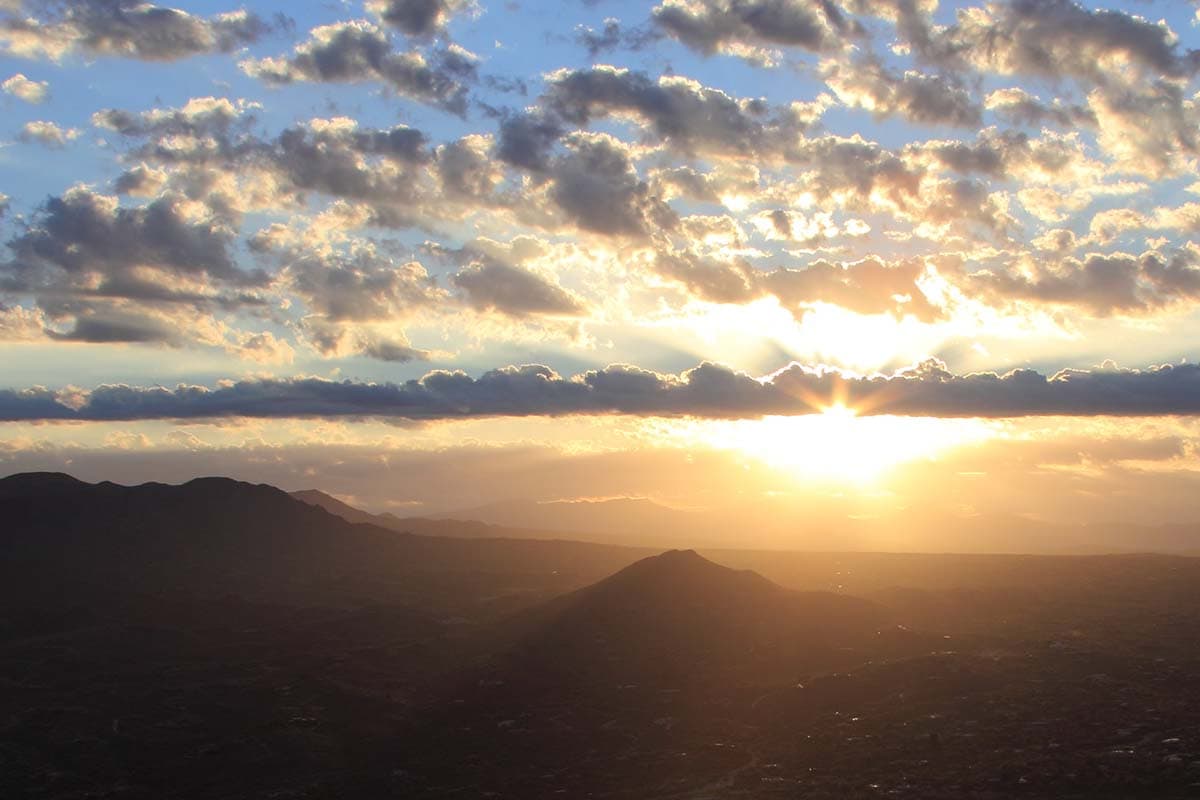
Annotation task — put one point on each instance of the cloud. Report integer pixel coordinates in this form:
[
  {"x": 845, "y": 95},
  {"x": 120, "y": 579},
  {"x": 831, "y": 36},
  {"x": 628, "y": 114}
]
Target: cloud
[
  {"x": 25, "y": 89},
  {"x": 1101, "y": 284},
  {"x": 745, "y": 27},
  {"x": 1018, "y": 107},
  {"x": 20, "y": 324},
  {"x": 526, "y": 139},
  {"x": 869, "y": 286},
  {"x": 125, "y": 28},
  {"x": 596, "y": 185},
  {"x": 1131, "y": 69},
  {"x": 107, "y": 328},
  {"x": 709, "y": 390},
  {"x": 516, "y": 291},
  {"x": 82, "y": 233},
  {"x": 360, "y": 286},
  {"x": 927, "y": 99},
  {"x": 48, "y": 134},
  {"x": 212, "y": 154},
  {"x": 603, "y": 41},
  {"x": 356, "y": 51},
  {"x": 682, "y": 112},
  {"x": 418, "y": 18},
  {"x": 100, "y": 272}
]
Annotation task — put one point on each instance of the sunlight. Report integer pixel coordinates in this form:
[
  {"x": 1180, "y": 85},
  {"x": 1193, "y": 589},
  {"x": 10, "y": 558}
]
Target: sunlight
[{"x": 839, "y": 446}]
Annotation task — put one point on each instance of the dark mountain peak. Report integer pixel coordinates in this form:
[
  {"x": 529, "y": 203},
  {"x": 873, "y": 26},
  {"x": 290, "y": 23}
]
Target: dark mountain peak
[
  {"x": 656, "y": 620},
  {"x": 682, "y": 556},
  {"x": 33, "y": 479},
  {"x": 685, "y": 573},
  {"x": 30, "y": 483},
  {"x": 314, "y": 496},
  {"x": 339, "y": 508},
  {"x": 219, "y": 484}
]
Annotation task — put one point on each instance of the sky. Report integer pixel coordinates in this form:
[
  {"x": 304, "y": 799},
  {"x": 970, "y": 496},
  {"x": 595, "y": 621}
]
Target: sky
[{"x": 861, "y": 258}]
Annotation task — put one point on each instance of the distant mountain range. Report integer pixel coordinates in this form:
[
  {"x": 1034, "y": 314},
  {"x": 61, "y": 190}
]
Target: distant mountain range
[
  {"x": 224, "y": 639},
  {"x": 218, "y": 536},
  {"x": 645, "y": 523},
  {"x": 625, "y": 521}
]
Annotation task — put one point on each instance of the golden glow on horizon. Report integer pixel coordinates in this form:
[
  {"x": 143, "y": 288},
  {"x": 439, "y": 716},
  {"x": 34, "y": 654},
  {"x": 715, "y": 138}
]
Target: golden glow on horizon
[{"x": 838, "y": 445}]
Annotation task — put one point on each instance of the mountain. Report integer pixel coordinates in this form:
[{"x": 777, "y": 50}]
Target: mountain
[
  {"x": 675, "y": 616},
  {"x": 66, "y": 540},
  {"x": 315, "y": 497},
  {"x": 440, "y": 527},
  {"x": 619, "y": 520}
]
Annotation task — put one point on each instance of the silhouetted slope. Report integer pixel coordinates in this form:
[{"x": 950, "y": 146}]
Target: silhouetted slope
[
  {"x": 68, "y": 541},
  {"x": 677, "y": 613},
  {"x": 315, "y": 497}
]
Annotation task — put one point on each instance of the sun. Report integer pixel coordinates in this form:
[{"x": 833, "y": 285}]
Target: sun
[{"x": 839, "y": 446}]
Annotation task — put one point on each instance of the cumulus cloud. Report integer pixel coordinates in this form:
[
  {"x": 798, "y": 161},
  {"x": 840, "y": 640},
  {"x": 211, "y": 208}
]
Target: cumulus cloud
[
  {"x": 211, "y": 153},
  {"x": 597, "y": 187},
  {"x": 83, "y": 233},
  {"x": 869, "y": 286},
  {"x": 928, "y": 99},
  {"x": 1102, "y": 284},
  {"x": 419, "y": 18},
  {"x": 48, "y": 133},
  {"x": 682, "y": 112},
  {"x": 125, "y": 28},
  {"x": 1018, "y": 107},
  {"x": 359, "y": 286},
  {"x": 108, "y": 328},
  {"x": 101, "y": 272},
  {"x": 746, "y": 27},
  {"x": 513, "y": 290},
  {"x": 708, "y": 390},
  {"x": 1131, "y": 69},
  {"x": 356, "y": 51},
  {"x": 25, "y": 89}
]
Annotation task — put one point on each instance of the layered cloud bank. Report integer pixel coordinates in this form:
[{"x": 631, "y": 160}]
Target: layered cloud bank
[
  {"x": 1003, "y": 165},
  {"x": 707, "y": 391}
]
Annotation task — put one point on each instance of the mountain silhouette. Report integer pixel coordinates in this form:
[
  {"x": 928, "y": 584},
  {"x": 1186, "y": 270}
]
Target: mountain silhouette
[
  {"x": 65, "y": 542},
  {"x": 676, "y": 614},
  {"x": 315, "y": 497}
]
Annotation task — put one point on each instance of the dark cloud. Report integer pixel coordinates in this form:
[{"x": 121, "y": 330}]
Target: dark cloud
[
  {"x": 869, "y": 286},
  {"x": 712, "y": 26},
  {"x": 107, "y": 328},
  {"x": 154, "y": 274},
  {"x": 330, "y": 156},
  {"x": 709, "y": 278},
  {"x": 466, "y": 168},
  {"x": 350, "y": 52},
  {"x": 127, "y": 28},
  {"x": 419, "y": 18},
  {"x": 1060, "y": 38},
  {"x": 924, "y": 98},
  {"x": 708, "y": 390},
  {"x": 83, "y": 232},
  {"x": 613, "y": 36},
  {"x": 682, "y": 112},
  {"x": 596, "y": 186},
  {"x": 1017, "y": 107},
  {"x": 527, "y": 139},
  {"x": 1102, "y": 284},
  {"x": 515, "y": 291},
  {"x": 392, "y": 351},
  {"x": 602, "y": 41},
  {"x": 1130, "y": 68},
  {"x": 360, "y": 286}
]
